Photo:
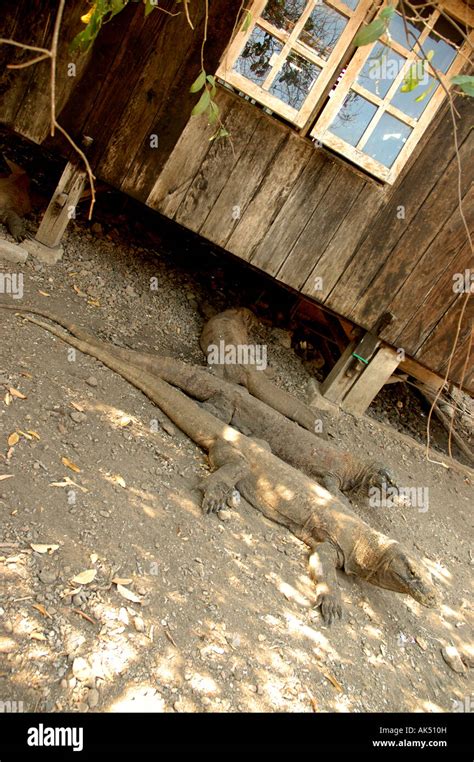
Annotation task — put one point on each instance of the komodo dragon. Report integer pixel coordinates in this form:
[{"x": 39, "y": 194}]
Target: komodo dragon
[
  {"x": 14, "y": 200},
  {"x": 231, "y": 328},
  {"x": 338, "y": 471},
  {"x": 336, "y": 537}
]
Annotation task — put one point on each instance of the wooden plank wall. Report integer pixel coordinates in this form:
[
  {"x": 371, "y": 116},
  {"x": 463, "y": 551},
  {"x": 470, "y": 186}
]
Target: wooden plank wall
[
  {"x": 266, "y": 195},
  {"x": 321, "y": 227}
]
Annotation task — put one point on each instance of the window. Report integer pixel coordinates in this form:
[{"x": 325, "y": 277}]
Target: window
[{"x": 294, "y": 51}]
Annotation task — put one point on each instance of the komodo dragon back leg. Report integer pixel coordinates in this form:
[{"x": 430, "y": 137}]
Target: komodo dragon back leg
[{"x": 322, "y": 569}]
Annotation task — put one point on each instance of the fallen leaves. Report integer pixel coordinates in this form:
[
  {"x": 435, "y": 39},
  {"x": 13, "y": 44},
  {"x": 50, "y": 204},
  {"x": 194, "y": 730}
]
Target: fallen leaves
[
  {"x": 16, "y": 393},
  {"x": 85, "y": 577},
  {"x": 13, "y": 439},
  {"x": 67, "y": 482},
  {"x": 6, "y": 476},
  {"x": 39, "y": 607},
  {"x": 128, "y": 595},
  {"x": 43, "y": 548},
  {"x": 69, "y": 464}
]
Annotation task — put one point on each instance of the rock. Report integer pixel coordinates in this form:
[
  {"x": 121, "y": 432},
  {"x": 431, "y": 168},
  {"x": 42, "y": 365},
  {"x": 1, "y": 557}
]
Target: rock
[
  {"x": 81, "y": 669},
  {"x": 11, "y": 252},
  {"x": 139, "y": 624},
  {"x": 225, "y": 515},
  {"x": 77, "y": 417},
  {"x": 93, "y": 698},
  {"x": 45, "y": 254},
  {"x": 453, "y": 659},
  {"x": 91, "y": 381},
  {"x": 47, "y": 576}
]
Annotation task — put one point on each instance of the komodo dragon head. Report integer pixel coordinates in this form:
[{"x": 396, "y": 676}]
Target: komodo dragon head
[
  {"x": 399, "y": 572},
  {"x": 381, "y": 475}
]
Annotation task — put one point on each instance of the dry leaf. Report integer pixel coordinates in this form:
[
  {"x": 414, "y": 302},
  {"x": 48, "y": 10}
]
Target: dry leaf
[
  {"x": 24, "y": 434},
  {"x": 126, "y": 593},
  {"x": 39, "y": 607},
  {"x": 41, "y": 548},
  {"x": 10, "y": 453},
  {"x": 71, "y": 465},
  {"x": 67, "y": 482},
  {"x": 93, "y": 302},
  {"x": 34, "y": 434},
  {"x": 79, "y": 292},
  {"x": 84, "y": 577},
  {"x": 77, "y": 407},
  {"x": 15, "y": 393},
  {"x": 84, "y": 616},
  {"x": 8, "y": 398},
  {"x": 121, "y": 581},
  {"x": 119, "y": 480},
  {"x": 333, "y": 681},
  {"x": 93, "y": 557},
  {"x": 6, "y": 476},
  {"x": 124, "y": 420},
  {"x": 25, "y": 374},
  {"x": 43, "y": 293},
  {"x": 37, "y": 636},
  {"x": 13, "y": 439}
]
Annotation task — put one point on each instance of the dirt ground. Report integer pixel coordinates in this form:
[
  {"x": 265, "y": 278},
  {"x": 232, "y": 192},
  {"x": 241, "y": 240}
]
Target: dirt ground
[{"x": 204, "y": 614}]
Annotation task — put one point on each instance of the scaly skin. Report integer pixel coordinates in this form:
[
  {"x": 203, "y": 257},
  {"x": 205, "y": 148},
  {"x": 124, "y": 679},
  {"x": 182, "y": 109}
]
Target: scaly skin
[{"x": 335, "y": 535}]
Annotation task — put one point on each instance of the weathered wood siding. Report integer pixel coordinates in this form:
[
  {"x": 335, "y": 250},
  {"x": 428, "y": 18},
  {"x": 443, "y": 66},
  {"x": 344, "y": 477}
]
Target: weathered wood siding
[
  {"x": 318, "y": 225},
  {"x": 300, "y": 214}
]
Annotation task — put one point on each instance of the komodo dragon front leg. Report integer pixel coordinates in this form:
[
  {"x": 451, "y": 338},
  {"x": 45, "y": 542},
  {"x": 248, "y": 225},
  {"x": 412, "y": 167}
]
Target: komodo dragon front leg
[{"x": 322, "y": 563}]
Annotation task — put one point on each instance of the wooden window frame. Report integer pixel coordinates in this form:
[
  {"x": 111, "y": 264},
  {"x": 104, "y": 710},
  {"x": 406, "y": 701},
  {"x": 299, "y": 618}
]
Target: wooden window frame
[
  {"x": 321, "y": 131},
  {"x": 298, "y": 117},
  {"x": 306, "y": 118}
]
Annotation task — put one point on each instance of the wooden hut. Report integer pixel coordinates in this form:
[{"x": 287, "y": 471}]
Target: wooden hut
[{"x": 336, "y": 180}]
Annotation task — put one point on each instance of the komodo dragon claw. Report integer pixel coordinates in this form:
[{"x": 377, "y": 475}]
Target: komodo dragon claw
[{"x": 216, "y": 497}]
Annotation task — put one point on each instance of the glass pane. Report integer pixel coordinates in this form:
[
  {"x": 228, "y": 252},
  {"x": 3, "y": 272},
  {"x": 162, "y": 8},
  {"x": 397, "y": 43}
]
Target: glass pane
[
  {"x": 255, "y": 60},
  {"x": 387, "y": 140},
  {"x": 294, "y": 80},
  {"x": 444, "y": 54},
  {"x": 352, "y": 4},
  {"x": 322, "y": 30},
  {"x": 398, "y": 33},
  {"x": 353, "y": 118},
  {"x": 283, "y": 14},
  {"x": 380, "y": 69},
  {"x": 415, "y": 102}
]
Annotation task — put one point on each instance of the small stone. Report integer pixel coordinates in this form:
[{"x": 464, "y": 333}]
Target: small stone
[
  {"x": 97, "y": 228},
  {"x": 48, "y": 576},
  {"x": 93, "y": 697},
  {"x": 45, "y": 254},
  {"x": 225, "y": 515},
  {"x": 81, "y": 669},
  {"x": 77, "y": 417},
  {"x": 453, "y": 659},
  {"x": 91, "y": 381},
  {"x": 82, "y": 707},
  {"x": 139, "y": 624}
]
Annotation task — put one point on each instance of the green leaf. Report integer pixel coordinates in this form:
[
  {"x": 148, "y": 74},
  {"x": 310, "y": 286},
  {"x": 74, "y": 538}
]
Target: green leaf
[
  {"x": 149, "y": 6},
  {"x": 370, "y": 33},
  {"x": 213, "y": 112},
  {"x": 465, "y": 82},
  {"x": 116, "y": 6},
  {"x": 198, "y": 83},
  {"x": 202, "y": 103},
  {"x": 247, "y": 22},
  {"x": 387, "y": 14},
  {"x": 426, "y": 92},
  {"x": 212, "y": 82},
  {"x": 221, "y": 133}
]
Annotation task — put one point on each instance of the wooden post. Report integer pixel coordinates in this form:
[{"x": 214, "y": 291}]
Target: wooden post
[
  {"x": 336, "y": 383},
  {"x": 61, "y": 207},
  {"x": 371, "y": 380}
]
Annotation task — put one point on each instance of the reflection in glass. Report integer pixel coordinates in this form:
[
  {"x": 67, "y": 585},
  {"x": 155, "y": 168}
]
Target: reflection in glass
[
  {"x": 254, "y": 61},
  {"x": 380, "y": 70},
  {"x": 283, "y": 14},
  {"x": 444, "y": 54},
  {"x": 352, "y": 119},
  {"x": 414, "y": 102},
  {"x": 387, "y": 140},
  {"x": 398, "y": 32},
  {"x": 322, "y": 30},
  {"x": 352, "y": 4},
  {"x": 294, "y": 80}
]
